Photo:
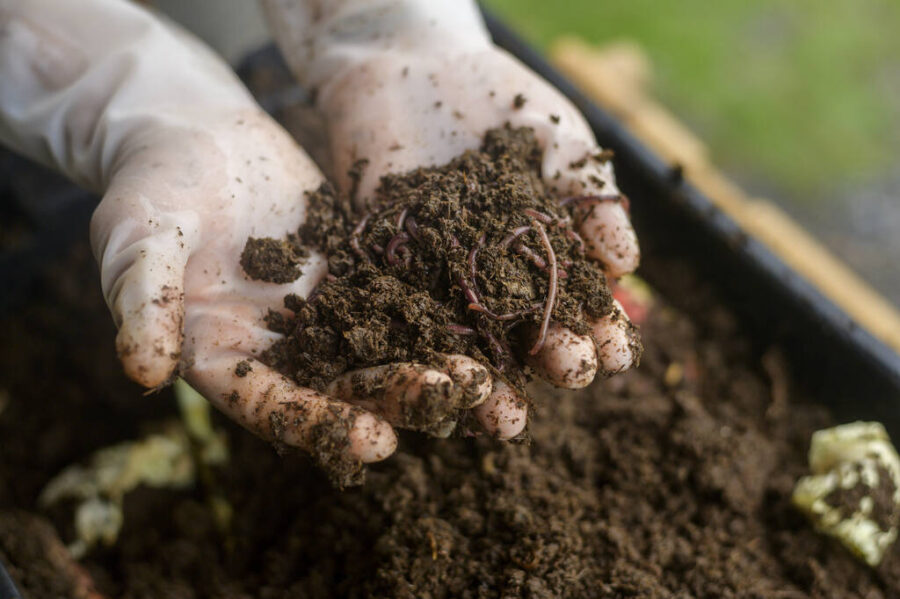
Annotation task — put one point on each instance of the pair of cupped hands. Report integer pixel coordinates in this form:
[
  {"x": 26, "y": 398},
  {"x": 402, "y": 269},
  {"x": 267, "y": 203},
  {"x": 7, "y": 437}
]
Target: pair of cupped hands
[{"x": 199, "y": 169}]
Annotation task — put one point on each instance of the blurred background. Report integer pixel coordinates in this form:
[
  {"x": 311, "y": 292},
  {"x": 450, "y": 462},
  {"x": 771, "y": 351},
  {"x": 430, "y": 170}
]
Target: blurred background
[
  {"x": 796, "y": 100},
  {"x": 799, "y": 101}
]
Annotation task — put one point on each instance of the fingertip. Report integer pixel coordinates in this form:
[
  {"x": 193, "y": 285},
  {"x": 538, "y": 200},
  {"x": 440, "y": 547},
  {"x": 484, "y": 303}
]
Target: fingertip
[
  {"x": 429, "y": 378},
  {"x": 372, "y": 439},
  {"x": 148, "y": 361},
  {"x": 610, "y": 238},
  {"x": 422, "y": 400},
  {"x": 617, "y": 346},
  {"x": 407, "y": 395},
  {"x": 503, "y": 414},
  {"x": 566, "y": 360},
  {"x": 143, "y": 280},
  {"x": 473, "y": 379},
  {"x": 276, "y": 409}
]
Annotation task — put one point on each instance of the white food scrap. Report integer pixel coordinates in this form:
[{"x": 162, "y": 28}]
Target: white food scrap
[
  {"x": 853, "y": 493},
  {"x": 164, "y": 460}
]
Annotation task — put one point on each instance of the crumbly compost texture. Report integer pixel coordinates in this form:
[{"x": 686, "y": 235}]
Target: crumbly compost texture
[
  {"x": 646, "y": 485},
  {"x": 272, "y": 260},
  {"x": 450, "y": 259}
]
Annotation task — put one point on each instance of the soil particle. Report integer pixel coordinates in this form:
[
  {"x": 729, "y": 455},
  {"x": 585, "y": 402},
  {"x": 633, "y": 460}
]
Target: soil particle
[
  {"x": 271, "y": 260},
  {"x": 578, "y": 164},
  {"x": 243, "y": 368},
  {"x": 604, "y": 156}
]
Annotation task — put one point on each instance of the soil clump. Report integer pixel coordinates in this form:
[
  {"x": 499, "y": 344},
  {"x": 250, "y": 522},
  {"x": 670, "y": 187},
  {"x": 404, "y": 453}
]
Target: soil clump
[{"x": 451, "y": 259}]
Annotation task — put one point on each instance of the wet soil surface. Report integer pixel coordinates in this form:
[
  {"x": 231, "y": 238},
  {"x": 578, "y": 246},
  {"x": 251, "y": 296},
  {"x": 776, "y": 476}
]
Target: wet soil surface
[{"x": 667, "y": 481}]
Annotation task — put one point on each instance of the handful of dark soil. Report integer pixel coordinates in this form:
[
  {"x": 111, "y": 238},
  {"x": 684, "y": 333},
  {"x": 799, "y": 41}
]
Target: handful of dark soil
[{"x": 450, "y": 259}]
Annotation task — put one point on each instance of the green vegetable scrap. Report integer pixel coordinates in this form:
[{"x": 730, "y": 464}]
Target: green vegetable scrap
[
  {"x": 163, "y": 460},
  {"x": 853, "y": 493},
  {"x": 197, "y": 421}
]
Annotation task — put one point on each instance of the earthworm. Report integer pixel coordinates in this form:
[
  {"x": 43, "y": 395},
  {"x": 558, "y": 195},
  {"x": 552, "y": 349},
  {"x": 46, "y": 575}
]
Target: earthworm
[
  {"x": 538, "y": 215},
  {"x": 574, "y": 236},
  {"x": 354, "y": 238},
  {"x": 476, "y": 307},
  {"x": 393, "y": 245},
  {"x": 515, "y": 233},
  {"x": 537, "y": 260},
  {"x": 560, "y": 221},
  {"x": 531, "y": 255},
  {"x": 499, "y": 351},
  {"x": 458, "y": 329},
  {"x": 509, "y": 316},
  {"x": 401, "y": 219},
  {"x": 551, "y": 291},
  {"x": 412, "y": 227},
  {"x": 468, "y": 292}
]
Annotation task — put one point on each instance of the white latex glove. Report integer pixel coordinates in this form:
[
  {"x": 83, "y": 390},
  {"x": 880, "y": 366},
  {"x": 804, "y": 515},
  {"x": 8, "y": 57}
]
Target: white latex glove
[
  {"x": 189, "y": 168},
  {"x": 409, "y": 83}
]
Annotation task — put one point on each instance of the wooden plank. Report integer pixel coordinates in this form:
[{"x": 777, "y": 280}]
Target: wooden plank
[{"x": 616, "y": 77}]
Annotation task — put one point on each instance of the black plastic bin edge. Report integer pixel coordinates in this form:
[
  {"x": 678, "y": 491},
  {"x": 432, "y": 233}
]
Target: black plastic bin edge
[
  {"x": 843, "y": 365},
  {"x": 8, "y": 589},
  {"x": 857, "y": 373},
  {"x": 627, "y": 148}
]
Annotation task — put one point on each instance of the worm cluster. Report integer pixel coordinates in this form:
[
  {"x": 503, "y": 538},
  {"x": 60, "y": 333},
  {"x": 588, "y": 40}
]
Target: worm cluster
[{"x": 450, "y": 259}]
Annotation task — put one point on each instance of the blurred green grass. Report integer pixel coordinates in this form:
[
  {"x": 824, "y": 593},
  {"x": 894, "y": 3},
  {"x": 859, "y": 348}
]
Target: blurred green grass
[{"x": 803, "y": 95}]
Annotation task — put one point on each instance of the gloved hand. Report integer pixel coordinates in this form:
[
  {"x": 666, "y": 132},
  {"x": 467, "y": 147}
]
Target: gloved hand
[
  {"x": 189, "y": 168},
  {"x": 409, "y": 83}
]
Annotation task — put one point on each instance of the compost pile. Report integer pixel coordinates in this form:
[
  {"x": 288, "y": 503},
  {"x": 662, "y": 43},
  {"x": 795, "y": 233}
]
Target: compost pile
[
  {"x": 671, "y": 480},
  {"x": 449, "y": 259}
]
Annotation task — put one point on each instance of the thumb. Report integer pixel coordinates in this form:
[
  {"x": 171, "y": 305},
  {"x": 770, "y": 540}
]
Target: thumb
[{"x": 143, "y": 255}]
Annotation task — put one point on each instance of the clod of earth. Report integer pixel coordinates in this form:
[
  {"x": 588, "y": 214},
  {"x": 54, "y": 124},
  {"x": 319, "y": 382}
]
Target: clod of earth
[
  {"x": 456, "y": 259},
  {"x": 273, "y": 261}
]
